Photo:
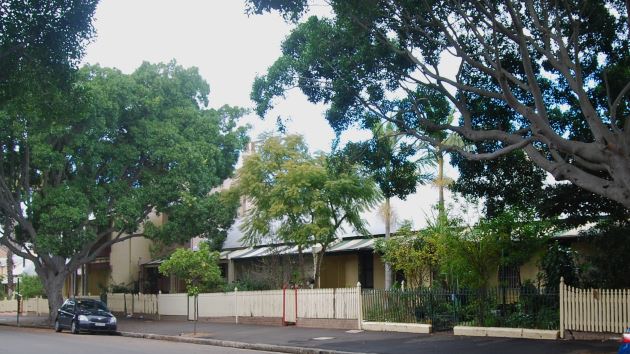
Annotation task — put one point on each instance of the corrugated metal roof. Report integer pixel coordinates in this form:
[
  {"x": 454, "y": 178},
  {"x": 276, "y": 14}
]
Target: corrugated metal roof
[
  {"x": 340, "y": 246},
  {"x": 575, "y": 232},
  {"x": 343, "y": 245}
]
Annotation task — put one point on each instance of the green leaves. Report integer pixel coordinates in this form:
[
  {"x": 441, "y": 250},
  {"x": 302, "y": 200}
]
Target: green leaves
[
  {"x": 199, "y": 269},
  {"x": 458, "y": 255},
  {"x": 298, "y": 198},
  {"x": 40, "y": 42},
  {"x": 117, "y": 147},
  {"x": 546, "y": 78},
  {"x": 413, "y": 253},
  {"x": 31, "y": 286}
]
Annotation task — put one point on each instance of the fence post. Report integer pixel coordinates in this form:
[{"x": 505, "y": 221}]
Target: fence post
[
  {"x": 157, "y": 304},
  {"x": 236, "y": 304},
  {"x": 359, "y": 306},
  {"x": 562, "y": 295}
]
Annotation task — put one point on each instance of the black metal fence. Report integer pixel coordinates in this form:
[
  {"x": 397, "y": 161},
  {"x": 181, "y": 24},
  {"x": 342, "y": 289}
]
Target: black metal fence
[{"x": 524, "y": 307}]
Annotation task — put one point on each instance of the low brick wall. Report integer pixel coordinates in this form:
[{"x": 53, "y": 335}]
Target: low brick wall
[
  {"x": 397, "y": 327},
  {"x": 591, "y": 335},
  {"x": 505, "y": 332},
  {"x": 327, "y": 323},
  {"x": 277, "y": 321},
  {"x": 223, "y": 319},
  {"x": 264, "y": 321}
]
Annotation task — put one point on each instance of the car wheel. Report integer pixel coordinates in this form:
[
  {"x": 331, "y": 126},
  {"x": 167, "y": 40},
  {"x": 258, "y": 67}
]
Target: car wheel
[
  {"x": 57, "y": 326},
  {"x": 74, "y": 328}
]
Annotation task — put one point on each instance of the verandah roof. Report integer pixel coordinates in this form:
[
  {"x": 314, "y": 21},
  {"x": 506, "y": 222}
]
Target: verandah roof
[{"x": 340, "y": 246}]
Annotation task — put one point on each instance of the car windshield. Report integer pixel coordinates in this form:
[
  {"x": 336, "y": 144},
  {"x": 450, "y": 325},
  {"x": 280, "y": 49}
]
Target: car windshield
[{"x": 91, "y": 306}]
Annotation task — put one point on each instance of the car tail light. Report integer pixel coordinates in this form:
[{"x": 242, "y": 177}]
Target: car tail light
[{"x": 625, "y": 338}]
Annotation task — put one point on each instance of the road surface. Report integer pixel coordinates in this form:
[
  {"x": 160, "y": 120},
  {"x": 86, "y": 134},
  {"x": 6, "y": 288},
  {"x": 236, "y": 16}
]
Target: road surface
[{"x": 39, "y": 341}]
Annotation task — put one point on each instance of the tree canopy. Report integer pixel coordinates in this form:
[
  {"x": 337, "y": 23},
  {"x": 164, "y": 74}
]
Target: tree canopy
[
  {"x": 559, "y": 70},
  {"x": 198, "y": 269},
  {"x": 301, "y": 199},
  {"x": 86, "y": 172},
  {"x": 40, "y": 43}
]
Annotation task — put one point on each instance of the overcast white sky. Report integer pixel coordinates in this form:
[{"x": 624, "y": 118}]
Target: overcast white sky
[{"x": 230, "y": 49}]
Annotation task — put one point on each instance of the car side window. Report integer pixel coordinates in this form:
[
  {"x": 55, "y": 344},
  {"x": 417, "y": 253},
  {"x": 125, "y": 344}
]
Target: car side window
[{"x": 68, "y": 306}]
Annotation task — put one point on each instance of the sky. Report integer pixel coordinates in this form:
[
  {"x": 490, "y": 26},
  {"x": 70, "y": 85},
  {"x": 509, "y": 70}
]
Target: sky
[{"x": 230, "y": 49}]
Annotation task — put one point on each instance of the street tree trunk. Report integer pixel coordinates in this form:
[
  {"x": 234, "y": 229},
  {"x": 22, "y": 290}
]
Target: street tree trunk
[
  {"x": 53, "y": 279},
  {"x": 318, "y": 267},
  {"x": 441, "y": 183},
  {"x": 301, "y": 265},
  {"x": 8, "y": 230},
  {"x": 10, "y": 265}
]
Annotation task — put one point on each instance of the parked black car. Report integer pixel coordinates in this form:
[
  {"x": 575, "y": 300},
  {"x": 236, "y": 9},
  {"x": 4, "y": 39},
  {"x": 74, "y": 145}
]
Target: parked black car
[{"x": 84, "y": 315}]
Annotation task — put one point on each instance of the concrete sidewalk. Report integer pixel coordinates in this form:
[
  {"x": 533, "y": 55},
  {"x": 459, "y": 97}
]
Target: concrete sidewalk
[{"x": 332, "y": 340}]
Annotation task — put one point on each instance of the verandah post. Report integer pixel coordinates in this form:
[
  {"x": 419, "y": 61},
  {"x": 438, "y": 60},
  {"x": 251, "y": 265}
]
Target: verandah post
[
  {"x": 236, "y": 304},
  {"x": 359, "y": 307}
]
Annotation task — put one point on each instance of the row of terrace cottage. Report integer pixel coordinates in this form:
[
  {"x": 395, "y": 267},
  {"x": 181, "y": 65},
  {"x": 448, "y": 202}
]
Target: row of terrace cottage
[{"x": 130, "y": 266}]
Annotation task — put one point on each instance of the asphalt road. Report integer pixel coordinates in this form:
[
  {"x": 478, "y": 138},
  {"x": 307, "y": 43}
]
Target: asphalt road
[
  {"x": 370, "y": 342},
  {"x": 38, "y": 341},
  {"x": 25, "y": 341}
]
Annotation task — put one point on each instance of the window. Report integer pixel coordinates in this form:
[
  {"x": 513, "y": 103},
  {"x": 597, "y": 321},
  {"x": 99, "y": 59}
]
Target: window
[
  {"x": 366, "y": 270},
  {"x": 68, "y": 306}
]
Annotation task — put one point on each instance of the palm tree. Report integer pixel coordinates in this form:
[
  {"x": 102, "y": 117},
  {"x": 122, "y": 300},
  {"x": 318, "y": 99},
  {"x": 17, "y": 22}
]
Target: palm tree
[{"x": 392, "y": 166}]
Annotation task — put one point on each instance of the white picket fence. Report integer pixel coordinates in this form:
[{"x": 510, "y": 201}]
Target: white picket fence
[
  {"x": 289, "y": 304},
  {"x": 340, "y": 303},
  {"x": 594, "y": 310},
  {"x": 36, "y": 305}
]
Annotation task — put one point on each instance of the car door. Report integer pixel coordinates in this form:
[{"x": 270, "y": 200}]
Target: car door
[{"x": 66, "y": 313}]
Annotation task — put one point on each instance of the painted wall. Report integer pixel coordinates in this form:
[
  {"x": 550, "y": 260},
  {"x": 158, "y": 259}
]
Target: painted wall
[
  {"x": 339, "y": 271},
  {"x": 530, "y": 270},
  {"x": 127, "y": 256},
  {"x": 271, "y": 270},
  {"x": 379, "y": 272},
  {"x": 97, "y": 279}
]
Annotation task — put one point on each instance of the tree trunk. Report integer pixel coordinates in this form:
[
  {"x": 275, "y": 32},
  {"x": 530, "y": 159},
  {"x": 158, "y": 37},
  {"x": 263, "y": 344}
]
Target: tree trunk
[
  {"x": 301, "y": 265},
  {"x": 10, "y": 265},
  {"x": 53, "y": 281},
  {"x": 440, "y": 178},
  {"x": 388, "y": 267},
  {"x": 8, "y": 230},
  {"x": 318, "y": 266}
]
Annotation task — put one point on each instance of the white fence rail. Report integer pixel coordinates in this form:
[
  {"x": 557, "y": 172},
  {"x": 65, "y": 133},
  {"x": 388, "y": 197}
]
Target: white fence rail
[
  {"x": 259, "y": 303},
  {"x": 36, "y": 305},
  {"x": 594, "y": 310},
  {"x": 289, "y": 304},
  {"x": 173, "y": 304},
  {"x": 217, "y": 305},
  {"x": 328, "y": 303}
]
